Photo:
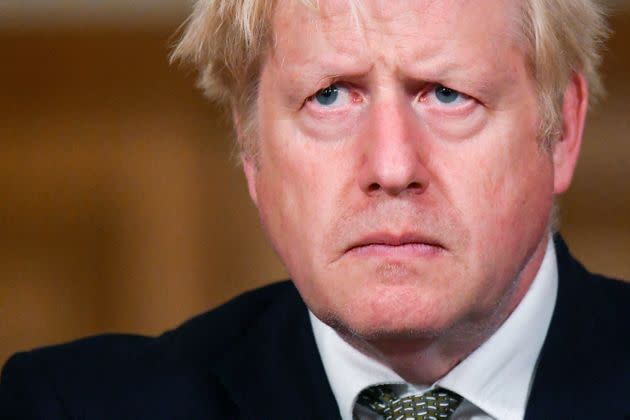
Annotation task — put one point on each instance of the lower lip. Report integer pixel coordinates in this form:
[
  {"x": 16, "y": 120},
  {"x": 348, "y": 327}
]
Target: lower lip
[{"x": 397, "y": 251}]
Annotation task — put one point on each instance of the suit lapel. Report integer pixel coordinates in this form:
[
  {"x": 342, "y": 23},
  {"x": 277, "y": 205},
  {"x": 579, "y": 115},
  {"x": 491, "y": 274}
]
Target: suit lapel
[
  {"x": 548, "y": 386},
  {"x": 275, "y": 371},
  {"x": 573, "y": 367}
]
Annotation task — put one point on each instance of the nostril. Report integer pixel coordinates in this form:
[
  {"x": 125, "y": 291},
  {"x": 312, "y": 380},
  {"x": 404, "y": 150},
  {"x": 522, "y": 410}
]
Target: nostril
[
  {"x": 374, "y": 187},
  {"x": 414, "y": 186}
]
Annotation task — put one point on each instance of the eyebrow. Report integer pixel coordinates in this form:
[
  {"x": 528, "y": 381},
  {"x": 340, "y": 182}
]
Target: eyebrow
[
  {"x": 308, "y": 75},
  {"x": 317, "y": 77},
  {"x": 450, "y": 72},
  {"x": 426, "y": 65}
]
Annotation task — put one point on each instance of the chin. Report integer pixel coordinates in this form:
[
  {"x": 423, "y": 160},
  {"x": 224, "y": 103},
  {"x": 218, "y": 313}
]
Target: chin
[
  {"x": 386, "y": 300},
  {"x": 390, "y": 316}
]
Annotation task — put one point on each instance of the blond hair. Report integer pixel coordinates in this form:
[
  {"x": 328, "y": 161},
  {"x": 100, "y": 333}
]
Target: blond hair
[
  {"x": 227, "y": 40},
  {"x": 563, "y": 37}
]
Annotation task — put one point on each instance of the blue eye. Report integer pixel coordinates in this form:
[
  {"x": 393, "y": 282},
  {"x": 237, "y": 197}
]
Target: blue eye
[
  {"x": 327, "y": 96},
  {"x": 446, "y": 95}
]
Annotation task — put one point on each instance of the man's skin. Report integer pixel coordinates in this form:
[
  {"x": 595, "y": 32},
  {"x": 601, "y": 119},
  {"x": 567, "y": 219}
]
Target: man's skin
[{"x": 399, "y": 173}]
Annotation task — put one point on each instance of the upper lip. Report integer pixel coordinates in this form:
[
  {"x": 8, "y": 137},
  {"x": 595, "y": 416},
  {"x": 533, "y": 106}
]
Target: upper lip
[{"x": 391, "y": 239}]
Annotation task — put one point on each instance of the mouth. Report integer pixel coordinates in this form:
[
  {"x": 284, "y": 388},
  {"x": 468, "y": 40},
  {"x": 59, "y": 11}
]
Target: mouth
[{"x": 390, "y": 245}]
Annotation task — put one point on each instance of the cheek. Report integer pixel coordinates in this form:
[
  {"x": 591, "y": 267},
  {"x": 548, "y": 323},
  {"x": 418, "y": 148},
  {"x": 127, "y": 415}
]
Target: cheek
[
  {"x": 296, "y": 187},
  {"x": 503, "y": 184}
]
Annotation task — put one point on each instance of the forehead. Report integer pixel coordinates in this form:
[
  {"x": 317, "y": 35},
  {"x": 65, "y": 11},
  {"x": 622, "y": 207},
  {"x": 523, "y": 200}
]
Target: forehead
[{"x": 402, "y": 33}]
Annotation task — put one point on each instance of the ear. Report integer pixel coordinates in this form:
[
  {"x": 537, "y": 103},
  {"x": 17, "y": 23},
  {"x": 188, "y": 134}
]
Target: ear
[
  {"x": 251, "y": 174},
  {"x": 249, "y": 165},
  {"x": 566, "y": 150}
]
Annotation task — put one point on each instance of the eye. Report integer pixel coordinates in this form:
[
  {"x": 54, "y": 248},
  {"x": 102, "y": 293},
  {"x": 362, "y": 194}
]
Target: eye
[
  {"x": 333, "y": 97},
  {"x": 446, "y": 95},
  {"x": 442, "y": 95},
  {"x": 327, "y": 96}
]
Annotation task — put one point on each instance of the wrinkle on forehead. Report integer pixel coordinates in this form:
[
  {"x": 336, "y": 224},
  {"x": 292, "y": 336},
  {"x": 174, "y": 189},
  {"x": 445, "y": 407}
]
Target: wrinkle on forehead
[
  {"x": 362, "y": 17},
  {"x": 415, "y": 35},
  {"x": 366, "y": 12}
]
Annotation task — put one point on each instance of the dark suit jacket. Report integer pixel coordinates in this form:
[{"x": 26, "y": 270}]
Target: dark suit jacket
[{"x": 255, "y": 358}]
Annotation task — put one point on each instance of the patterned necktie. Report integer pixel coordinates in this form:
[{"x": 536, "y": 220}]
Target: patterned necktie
[{"x": 432, "y": 405}]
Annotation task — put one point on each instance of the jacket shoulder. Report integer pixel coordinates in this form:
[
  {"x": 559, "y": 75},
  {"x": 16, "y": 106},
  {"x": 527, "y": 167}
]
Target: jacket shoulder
[
  {"x": 110, "y": 373},
  {"x": 207, "y": 337},
  {"x": 583, "y": 366}
]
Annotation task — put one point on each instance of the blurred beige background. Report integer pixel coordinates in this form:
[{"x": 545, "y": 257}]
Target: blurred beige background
[{"x": 121, "y": 206}]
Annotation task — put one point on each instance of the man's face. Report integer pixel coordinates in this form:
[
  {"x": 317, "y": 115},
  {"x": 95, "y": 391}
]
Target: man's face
[{"x": 398, "y": 176}]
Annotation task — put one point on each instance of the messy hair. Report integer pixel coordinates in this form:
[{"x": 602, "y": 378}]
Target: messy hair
[
  {"x": 563, "y": 37},
  {"x": 228, "y": 39}
]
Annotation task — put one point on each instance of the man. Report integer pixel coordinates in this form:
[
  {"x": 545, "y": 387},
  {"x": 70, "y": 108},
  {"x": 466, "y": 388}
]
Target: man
[{"x": 404, "y": 157}]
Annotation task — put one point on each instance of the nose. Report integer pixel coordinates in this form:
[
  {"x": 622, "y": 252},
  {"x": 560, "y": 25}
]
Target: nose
[{"x": 392, "y": 157}]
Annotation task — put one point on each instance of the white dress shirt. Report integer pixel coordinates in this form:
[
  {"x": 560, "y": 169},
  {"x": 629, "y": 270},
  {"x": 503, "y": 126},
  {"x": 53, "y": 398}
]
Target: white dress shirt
[{"x": 494, "y": 380}]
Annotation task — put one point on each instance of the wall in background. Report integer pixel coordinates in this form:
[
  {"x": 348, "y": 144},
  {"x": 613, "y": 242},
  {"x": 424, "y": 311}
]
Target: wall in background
[{"x": 123, "y": 209}]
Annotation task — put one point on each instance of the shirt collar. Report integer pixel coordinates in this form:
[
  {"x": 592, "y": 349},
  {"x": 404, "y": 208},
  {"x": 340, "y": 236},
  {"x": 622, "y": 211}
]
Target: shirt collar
[{"x": 496, "y": 377}]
